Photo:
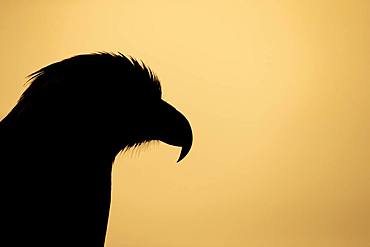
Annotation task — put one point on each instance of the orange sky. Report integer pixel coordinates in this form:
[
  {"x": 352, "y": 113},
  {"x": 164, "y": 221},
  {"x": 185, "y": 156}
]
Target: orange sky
[{"x": 278, "y": 96}]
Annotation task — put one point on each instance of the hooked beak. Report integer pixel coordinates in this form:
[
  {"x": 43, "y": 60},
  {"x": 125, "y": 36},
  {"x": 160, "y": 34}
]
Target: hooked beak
[{"x": 175, "y": 129}]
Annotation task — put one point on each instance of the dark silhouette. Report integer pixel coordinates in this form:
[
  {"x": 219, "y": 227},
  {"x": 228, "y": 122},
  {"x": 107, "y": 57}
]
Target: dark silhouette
[{"x": 58, "y": 144}]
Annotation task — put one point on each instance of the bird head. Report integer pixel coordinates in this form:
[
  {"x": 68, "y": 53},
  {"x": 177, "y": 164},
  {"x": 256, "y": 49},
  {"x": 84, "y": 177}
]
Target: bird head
[{"x": 105, "y": 100}]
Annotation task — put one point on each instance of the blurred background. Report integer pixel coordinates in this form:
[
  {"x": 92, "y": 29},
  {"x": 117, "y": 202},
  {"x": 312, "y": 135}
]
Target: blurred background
[{"x": 278, "y": 95}]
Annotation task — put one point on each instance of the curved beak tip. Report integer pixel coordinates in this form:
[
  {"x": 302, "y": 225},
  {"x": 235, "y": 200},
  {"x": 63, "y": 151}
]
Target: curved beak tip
[
  {"x": 181, "y": 157},
  {"x": 185, "y": 150}
]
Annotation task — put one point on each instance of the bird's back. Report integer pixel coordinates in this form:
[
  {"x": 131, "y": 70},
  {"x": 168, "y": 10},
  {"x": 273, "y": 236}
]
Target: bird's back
[{"x": 54, "y": 194}]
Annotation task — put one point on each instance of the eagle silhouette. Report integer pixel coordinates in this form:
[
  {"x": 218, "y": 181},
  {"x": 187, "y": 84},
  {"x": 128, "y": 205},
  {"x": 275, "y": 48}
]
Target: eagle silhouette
[{"x": 58, "y": 144}]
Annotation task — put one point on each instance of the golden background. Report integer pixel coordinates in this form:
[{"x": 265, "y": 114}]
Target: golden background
[{"x": 277, "y": 92}]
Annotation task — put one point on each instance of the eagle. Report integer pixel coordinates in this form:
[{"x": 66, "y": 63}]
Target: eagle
[{"x": 59, "y": 142}]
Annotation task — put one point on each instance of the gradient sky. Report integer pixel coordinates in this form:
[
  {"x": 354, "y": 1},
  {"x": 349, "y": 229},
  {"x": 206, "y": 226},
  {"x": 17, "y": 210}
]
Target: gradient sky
[{"x": 277, "y": 92}]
